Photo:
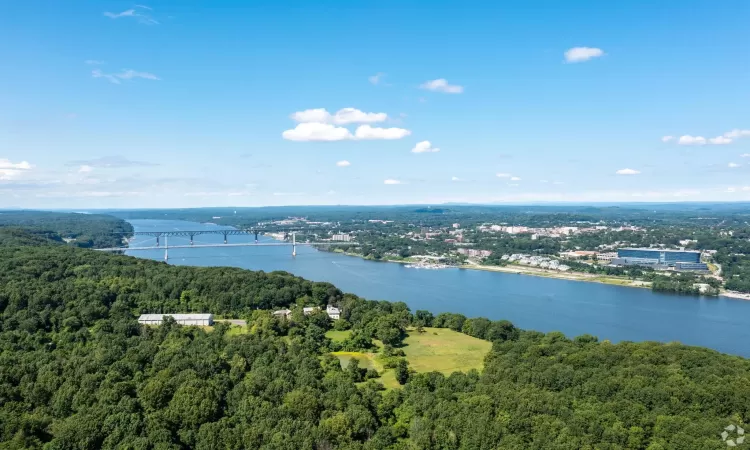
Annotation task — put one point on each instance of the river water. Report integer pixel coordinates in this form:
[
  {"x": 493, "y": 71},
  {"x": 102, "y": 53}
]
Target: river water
[{"x": 535, "y": 303}]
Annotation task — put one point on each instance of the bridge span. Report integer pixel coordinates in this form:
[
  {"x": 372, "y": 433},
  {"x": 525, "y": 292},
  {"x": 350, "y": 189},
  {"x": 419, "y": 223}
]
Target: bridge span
[{"x": 191, "y": 235}]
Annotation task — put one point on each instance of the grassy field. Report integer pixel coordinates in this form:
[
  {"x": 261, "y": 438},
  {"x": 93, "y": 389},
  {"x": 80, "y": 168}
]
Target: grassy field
[
  {"x": 444, "y": 350},
  {"x": 437, "y": 349},
  {"x": 338, "y": 336}
]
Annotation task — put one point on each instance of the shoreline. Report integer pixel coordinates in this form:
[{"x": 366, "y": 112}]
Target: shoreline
[{"x": 570, "y": 276}]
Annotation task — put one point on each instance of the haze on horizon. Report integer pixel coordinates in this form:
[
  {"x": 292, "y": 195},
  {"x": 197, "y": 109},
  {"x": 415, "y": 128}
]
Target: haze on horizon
[{"x": 120, "y": 105}]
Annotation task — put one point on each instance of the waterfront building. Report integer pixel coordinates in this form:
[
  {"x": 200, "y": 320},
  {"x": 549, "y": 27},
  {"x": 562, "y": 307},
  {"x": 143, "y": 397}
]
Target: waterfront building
[
  {"x": 341, "y": 238},
  {"x": 657, "y": 256},
  {"x": 182, "y": 319}
]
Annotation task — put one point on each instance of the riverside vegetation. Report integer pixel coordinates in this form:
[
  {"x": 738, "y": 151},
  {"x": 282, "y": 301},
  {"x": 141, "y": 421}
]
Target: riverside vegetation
[{"x": 78, "y": 372}]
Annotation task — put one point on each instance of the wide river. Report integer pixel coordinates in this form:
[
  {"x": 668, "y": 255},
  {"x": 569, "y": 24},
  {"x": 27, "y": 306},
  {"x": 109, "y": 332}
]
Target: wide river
[{"x": 544, "y": 304}]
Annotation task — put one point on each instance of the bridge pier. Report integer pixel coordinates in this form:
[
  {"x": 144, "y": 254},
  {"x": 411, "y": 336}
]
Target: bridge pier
[
  {"x": 225, "y": 237},
  {"x": 192, "y": 235},
  {"x": 157, "y": 240},
  {"x": 166, "y": 249},
  {"x": 294, "y": 245},
  {"x": 256, "y": 237}
]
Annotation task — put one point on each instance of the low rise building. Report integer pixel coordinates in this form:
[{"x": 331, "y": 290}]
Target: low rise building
[
  {"x": 341, "y": 238},
  {"x": 182, "y": 319},
  {"x": 285, "y": 313},
  {"x": 333, "y": 312}
]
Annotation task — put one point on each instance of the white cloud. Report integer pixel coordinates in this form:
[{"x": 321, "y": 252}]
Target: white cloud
[
  {"x": 720, "y": 140},
  {"x": 391, "y": 181},
  {"x": 7, "y": 164},
  {"x": 667, "y": 138},
  {"x": 691, "y": 140},
  {"x": 284, "y": 194},
  {"x": 746, "y": 188},
  {"x": 745, "y": 155},
  {"x": 544, "y": 181},
  {"x": 441, "y": 85},
  {"x": 732, "y": 165},
  {"x": 581, "y": 54},
  {"x": 503, "y": 175},
  {"x": 10, "y": 170},
  {"x": 127, "y": 13},
  {"x": 558, "y": 182},
  {"x": 342, "y": 117},
  {"x": 731, "y": 189},
  {"x": 424, "y": 147},
  {"x": 377, "y": 78},
  {"x": 366, "y": 132},
  {"x": 144, "y": 7},
  {"x": 343, "y": 163},
  {"x": 734, "y": 134},
  {"x": 132, "y": 13},
  {"x": 455, "y": 179},
  {"x": 85, "y": 169},
  {"x": 515, "y": 178},
  {"x": 94, "y": 62},
  {"x": 352, "y": 115},
  {"x": 314, "y": 131},
  {"x": 627, "y": 172},
  {"x": 125, "y": 74}
]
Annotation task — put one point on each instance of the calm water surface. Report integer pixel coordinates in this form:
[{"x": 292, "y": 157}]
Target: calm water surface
[{"x": 544, "y": 304}]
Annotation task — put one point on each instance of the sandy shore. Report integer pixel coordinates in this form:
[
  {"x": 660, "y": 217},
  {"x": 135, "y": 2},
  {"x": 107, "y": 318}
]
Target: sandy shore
[{"x": 737, "y": 295}]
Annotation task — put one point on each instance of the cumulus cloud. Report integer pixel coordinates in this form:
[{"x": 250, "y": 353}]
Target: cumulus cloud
[
  {"x": 455, "y": 179},
  {"x": 724, "y": 139},
  {"x": 732, "y": 165},
  {"x": 343, "y": 163},
  {"x": 735, "y": 134},
  {"x": 691, "y": 140},
  {"x": 424, "y": 147},
  {"x": 10, "y": 170},
  {"x": 315, "y": 131},
  {"x": 745, "y": 155},
  {"x": 366, "y": 132},
  {"x": 343, "y": 116},
  {"x": 377, "y": 78},
  {"x": 627, "y": 172},
  {"x": 441, "y": 85},
  {"x": 391, "y": 181},
  {"x": 581, "y": 54},
  {"x": 125, "y": 74},
  {"x": 720, "y": 140}
]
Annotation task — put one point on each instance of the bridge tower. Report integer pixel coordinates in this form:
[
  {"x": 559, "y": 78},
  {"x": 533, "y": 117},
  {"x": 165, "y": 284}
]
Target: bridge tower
[
  {"x": 294, "y": 244},
  {"x": 166, "y": 249}
]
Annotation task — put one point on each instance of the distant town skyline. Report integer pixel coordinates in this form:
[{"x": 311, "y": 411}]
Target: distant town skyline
[{"x": 229, "y": 103}]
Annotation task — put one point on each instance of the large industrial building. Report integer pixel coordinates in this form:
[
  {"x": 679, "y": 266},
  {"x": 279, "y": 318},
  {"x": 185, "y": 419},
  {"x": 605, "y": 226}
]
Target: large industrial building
[
  {"x": 182, "y": 319},
  {"x": 660, "y": 258}
]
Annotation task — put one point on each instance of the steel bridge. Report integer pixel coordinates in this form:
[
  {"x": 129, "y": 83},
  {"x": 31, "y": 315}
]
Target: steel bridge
[{"x": 226, "y": 233}]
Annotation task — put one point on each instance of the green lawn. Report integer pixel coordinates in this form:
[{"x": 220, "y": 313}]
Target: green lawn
[
  {"x": 438, "y": 349},
  {"x": 237, "y": 330},
  {"x": 444, "y": 350},
  {"x": 338, "y": 336}
]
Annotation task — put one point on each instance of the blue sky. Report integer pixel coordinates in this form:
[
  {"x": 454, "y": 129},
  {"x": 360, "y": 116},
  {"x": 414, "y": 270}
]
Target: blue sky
[{"x": 188, "y": 103}]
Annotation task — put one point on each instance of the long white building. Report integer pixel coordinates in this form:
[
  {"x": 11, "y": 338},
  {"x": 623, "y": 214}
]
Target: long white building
[{"x": 182, "y": 319}]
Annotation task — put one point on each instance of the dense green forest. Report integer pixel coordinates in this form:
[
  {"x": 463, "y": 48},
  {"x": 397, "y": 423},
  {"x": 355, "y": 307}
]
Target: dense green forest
[
  {"x": 78, "y": 372},
  {"x": 80, "y": 230}
]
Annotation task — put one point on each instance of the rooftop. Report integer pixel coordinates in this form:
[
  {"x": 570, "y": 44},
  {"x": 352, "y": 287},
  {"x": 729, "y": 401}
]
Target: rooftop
[
  {"x": 176, "y": 316},
  {"x": 659, "y": 250}
]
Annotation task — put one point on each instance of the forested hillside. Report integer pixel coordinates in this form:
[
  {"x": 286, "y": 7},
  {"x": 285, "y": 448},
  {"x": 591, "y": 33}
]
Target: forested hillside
[
  {"x": 78, "y": 372},
  {"x": 80, "y": 230}
]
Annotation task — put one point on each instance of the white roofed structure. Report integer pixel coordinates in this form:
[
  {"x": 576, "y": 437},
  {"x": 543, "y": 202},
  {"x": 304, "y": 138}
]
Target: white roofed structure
[{"x": 182, "y": 319}]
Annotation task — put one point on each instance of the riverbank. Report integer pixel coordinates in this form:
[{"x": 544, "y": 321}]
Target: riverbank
[
  {"x": 533, "y": 271},
  {"x": 571, "y": 276},
  {"x": 735, "y": 295}
]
